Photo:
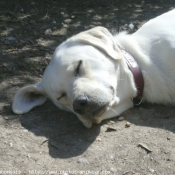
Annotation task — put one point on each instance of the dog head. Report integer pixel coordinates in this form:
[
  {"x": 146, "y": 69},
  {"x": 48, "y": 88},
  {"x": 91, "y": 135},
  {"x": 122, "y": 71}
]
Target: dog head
[{"x": 81, "y": 77}]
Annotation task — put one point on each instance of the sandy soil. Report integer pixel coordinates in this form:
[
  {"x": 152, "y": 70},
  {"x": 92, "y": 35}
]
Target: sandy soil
[{"x": 50, "y": 141}]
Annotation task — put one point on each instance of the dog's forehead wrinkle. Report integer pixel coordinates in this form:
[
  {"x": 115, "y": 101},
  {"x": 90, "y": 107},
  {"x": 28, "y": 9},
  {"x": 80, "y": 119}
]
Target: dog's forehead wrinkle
[
  {"x": 73, "y": 53},
  {"x": 78, "y": 50}
]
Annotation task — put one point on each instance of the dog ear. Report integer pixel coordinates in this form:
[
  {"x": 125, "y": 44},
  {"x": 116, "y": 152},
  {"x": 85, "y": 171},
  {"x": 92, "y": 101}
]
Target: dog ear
[
  {"x": 28, "y": 97},
  {"x": 102, "y": 39}
]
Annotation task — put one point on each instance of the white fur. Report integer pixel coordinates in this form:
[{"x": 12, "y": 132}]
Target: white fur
[
  {"x": 153, "y": 47},
  {"x": 105, "y": 77}
]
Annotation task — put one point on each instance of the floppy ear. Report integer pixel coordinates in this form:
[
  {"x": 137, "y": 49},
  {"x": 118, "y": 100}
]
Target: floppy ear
[
  {"x": 102, "y": 39},
  {"x": 28, "y": 97}
]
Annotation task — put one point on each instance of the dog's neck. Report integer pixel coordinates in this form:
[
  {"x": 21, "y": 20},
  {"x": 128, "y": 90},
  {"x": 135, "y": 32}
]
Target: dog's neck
[{"x": 137, "y": 75}]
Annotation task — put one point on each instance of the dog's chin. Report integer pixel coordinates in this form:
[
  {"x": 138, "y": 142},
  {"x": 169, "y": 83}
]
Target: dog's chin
[{"x": 88, "y": 119}]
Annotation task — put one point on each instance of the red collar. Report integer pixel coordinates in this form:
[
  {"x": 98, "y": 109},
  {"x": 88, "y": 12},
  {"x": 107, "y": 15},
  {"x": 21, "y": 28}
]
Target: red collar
[{"x": 137, "y": 74}]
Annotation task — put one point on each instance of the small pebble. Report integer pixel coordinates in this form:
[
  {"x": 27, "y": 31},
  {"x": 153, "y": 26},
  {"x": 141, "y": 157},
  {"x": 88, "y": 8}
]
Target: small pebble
[
  {"x": 127, "y": 125},
  {"x": 121, "y": 118},
  {"x": 29, "y": 156},
  {"x": 67, "y": 20},
  {"x": 151, "y": 170},
  {"x": 131, "y": 26},
  {"x": 25, "y": 130},
  {"x": 113, "y": 169},
  {"x": 23, "y": 146},
  {"x": 112, "y": 157},
  {"x": 65, "y": 174},
  {"x": 83, "y": 161},
  {"x": 48, "y": 32},
  {"x": 65, "y": 25},
  {"x": 111, "y": 122},
  {"x": 98, "y": 139}
]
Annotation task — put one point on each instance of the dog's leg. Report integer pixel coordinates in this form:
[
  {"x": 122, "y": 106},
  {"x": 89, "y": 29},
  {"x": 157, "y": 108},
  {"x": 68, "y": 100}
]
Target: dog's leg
[{"x": 114, "y": 111}]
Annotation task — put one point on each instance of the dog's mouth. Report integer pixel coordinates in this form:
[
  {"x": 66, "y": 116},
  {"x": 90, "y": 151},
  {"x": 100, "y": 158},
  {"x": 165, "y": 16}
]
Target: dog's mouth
[
  {"x": 99, "y": 111},
  {"x": 90, "y": 109},
  {"x": 89, "y": 118}
]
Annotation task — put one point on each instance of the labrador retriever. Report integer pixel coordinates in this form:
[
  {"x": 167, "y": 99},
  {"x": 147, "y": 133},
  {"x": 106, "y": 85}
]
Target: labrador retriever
[{"x": 89, "y": 73}]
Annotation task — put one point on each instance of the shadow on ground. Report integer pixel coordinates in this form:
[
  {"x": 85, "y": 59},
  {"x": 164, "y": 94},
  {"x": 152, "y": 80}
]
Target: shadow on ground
[{"x": 66, "y": 136}]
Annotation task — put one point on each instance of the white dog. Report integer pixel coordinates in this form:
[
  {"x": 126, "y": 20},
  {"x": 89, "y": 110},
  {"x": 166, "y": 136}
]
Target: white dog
[{"x": 92, "y": 73}]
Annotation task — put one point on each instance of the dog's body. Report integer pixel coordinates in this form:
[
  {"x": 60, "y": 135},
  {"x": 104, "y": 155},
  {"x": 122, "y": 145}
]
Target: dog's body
[{"x": 89, "y": 76}]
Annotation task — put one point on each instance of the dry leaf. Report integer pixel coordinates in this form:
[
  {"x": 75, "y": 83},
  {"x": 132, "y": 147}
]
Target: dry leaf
[
  {"x": 145, "y": 146},
  {"x": 109, "y": 129}
]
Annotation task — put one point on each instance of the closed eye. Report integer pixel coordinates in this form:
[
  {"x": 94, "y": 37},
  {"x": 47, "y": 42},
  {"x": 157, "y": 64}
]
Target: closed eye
[
  {"x": 77, "y": 70},
  {"x": 61, "y": 96}
]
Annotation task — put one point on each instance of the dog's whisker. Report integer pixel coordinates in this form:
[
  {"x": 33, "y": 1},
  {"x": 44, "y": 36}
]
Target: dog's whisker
[{"x": 114, "y": 111}]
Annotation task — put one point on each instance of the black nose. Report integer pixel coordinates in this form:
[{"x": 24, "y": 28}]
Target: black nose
[{"x": 80, "y": 104}]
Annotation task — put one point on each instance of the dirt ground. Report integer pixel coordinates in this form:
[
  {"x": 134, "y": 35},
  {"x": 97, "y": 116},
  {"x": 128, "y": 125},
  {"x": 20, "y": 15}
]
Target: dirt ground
[{"x": 50, "y": 141}]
